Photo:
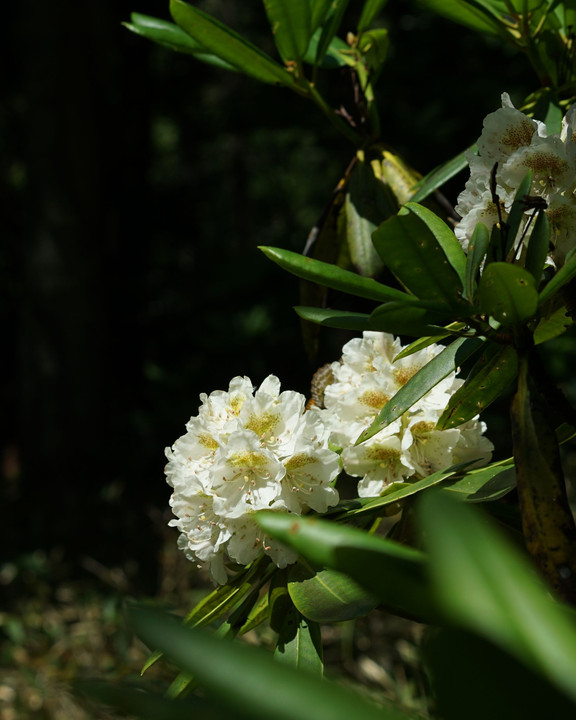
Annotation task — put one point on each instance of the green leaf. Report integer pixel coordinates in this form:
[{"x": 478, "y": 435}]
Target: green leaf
[
  {"x": 447, "y": 361},
  {"x": 241, "y": 678},
  {"x": 465, "y": 14},
  {"x": 327, "y": 596},
  {"x": 337, "y": 54},
  {"x": 369, "y": 12},
  {"x": 392, "y": 572},
  {"x": 485, "y": 484},
  {"x": 477, "y": 249},
  {"x": 228, "y": 45},
  {"x": 424, "y": 342},
  {"x": 401, "y": 319},
  {"x": 411, "y": 251},
  {"x": 494, "y": 371},
  {"x": 391, "y": 495},
  {"x": 445, "y": 237},
  {"x": 550, "y": 327},
  {"x": 335, "y": 318},
  {"x": 291, "y": 26},
  {"x": 331, "y": 27},
  {"x": 171, "y": 36},
  {"x": 319, "y": 10},
  {"x": 440, "y": 175},
  {"x": 538, "y": 244},
  {"x": 563, "y": 276},
  {"x": 368, "y": 201},
  {"x": 517, "y": 213},
  {"x": 485, "y": 585},
  {"x": 335, "y": 277},
  {"x": 304, "y": 650},
  {"x": 507, "y": 293}
]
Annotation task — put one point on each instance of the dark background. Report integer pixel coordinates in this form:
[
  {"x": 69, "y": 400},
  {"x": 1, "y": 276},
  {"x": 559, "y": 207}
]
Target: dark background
[{"x": 136, "y": 184}]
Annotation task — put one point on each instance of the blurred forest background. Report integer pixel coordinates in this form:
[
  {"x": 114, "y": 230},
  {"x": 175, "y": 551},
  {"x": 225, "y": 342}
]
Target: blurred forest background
[{"x": 136, "y": 184}]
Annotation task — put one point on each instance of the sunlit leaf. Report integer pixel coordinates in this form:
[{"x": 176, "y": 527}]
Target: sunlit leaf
[
  {"x": 485, "y": 585},
  {"x": 291, "y": 27},
  {"x": 465, "y": 14},
  {"x": 335, "y": 318},
  {"x": 447, "y": 361},
  {"x": 337, "y": 53},
  {"x": 507, "y": 293},
  {"x": 392, "y": 572},
  {"x": 411, "y": 251},
  {"x": 485, "y": 484},
  {"x": 494, "y": 371},
  {"x": 244, "y": 679},
  {"x": 401, "y": 319},
  {"x": 335, "y": 277},
  {"x": 440, "y": 175},
  {"x": 424, "y": 342},
  {"x": 552, "y": 326},
  {"x": 225, "y": 43},
  {"x": 331, "y": 27},
  {"x": 328, "y": 596},
  {"x": 319, "y": 10},
  {"x": 171, "y": 36}
]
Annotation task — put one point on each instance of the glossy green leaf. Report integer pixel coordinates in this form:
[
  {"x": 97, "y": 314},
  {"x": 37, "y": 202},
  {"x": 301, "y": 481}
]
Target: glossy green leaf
[
  {"x": 327, "y": 596},
  {"x": 226, "y": 44},
  {"x": 240, "y": 678},
  {"x": 299, "y": 643},
  {"x": 445, "y": 237},
  {"x": 447, "y": 361},
  {"x": 507, "y": 293},
  {"x": 516, "y": 214},
  {"x": 412, "y": 252},
  {"x": 485, "y": 585},
  {"x": 550, "y": 327},
  {"x": 477, "y": 249},
  {"x": 485, "y": 484},
  {"x": 538, "y": 246},
  {"x": 392, "y": 494},
  {"x": 171, "y": 36},
  {"x": 335, "y": 318},
  {"x": 369, "y": 12},
  {"x": 304, "y": 650},
  {"x": 392, "y": 572},
  {"x": 331, "y": 27},
  {"x": 440, "y": 175},
  {"x": 337, "y": 54},
  {"x": 493, "y": 373},
  {"x": 368, "y": 201},
  {"x": 335, "y": 277},
  {"x": 421, "y": 343},
  {"x": 319, "y": 11},
  {"x": 291, "y": 26},
  {"x": 400, "y": 319},
  {"x": 465, "y": 14},
  {"x": 563, "y": 276}
]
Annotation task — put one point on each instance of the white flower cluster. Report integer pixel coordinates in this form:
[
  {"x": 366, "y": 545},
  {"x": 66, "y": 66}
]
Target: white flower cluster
[
  {"x": 519, "y": 144},
  {"x": 247, "y": 451},
  {"x": 410, "y": 447}
]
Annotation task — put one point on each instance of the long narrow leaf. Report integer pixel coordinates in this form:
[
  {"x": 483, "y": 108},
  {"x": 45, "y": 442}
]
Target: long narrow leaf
[
  {"x": 223, "y": 42},
  {"x": 440, "y": 175},
  {"x": 335, "y": 318},
  {"x": 563, "y": 276},
  {"x": 335, "y": 277},
  {"x": 447, "y": 361},
  {"x": 291, "y": 27},
  {"x": 241, "y": 678}
]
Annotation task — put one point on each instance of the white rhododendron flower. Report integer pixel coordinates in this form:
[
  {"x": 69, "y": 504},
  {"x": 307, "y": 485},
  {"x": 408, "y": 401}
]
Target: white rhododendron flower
[
  {"x": 410, "y": 447},
  {"x": 519, "y": 144},
  {"x": 245, "y": 451}
]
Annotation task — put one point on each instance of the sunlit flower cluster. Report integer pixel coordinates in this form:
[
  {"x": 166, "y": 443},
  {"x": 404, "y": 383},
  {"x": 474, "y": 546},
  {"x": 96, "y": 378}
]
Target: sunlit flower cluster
[
  {"x": 518, "y": 144},
  {"x": 410, "y": 447},
  {"x": 245, "y": 451}
]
